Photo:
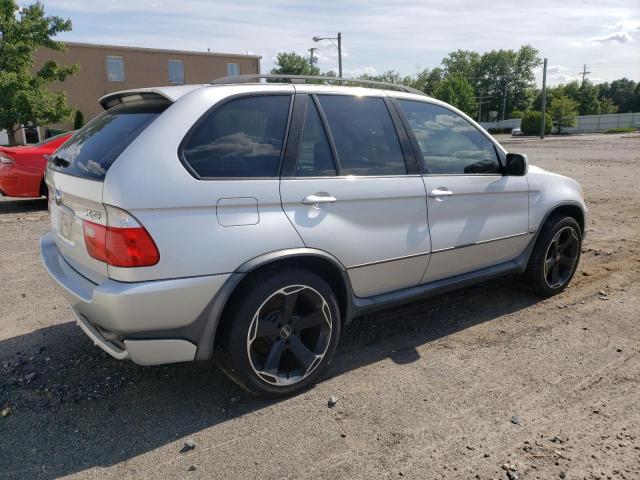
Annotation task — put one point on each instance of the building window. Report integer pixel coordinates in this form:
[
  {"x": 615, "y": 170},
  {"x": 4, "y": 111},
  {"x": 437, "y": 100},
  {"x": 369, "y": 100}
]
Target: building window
[
  {"x": 115, "y": 68},
  {"x": 176, "y": 72},
  {"x": 233, "y": 69}
]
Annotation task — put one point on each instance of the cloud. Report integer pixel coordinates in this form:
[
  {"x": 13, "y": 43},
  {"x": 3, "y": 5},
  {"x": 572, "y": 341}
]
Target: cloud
[
  {"x": 619, "y": 37},
  {"x": 374, "y": 31},
  {"x": 358, "y": 72},
  {"x": 556, "y": 69},
  {"x": 625, "y": 24},
  {"x": 559, "y": 74}
]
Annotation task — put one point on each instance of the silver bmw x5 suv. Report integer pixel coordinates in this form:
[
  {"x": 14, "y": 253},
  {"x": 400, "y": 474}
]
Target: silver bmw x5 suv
[{"x": 249, "y": 223}]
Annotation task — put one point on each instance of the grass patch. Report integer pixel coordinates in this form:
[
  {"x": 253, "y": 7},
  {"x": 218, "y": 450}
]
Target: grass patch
[{"x": 621, "y": 130}]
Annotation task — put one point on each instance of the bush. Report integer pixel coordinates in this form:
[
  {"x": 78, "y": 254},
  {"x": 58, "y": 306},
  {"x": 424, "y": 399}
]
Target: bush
[
  {"x": 78, "y": 121},
  {"x": 621, "y": 130},
  {"x": 530, "y": 124}
]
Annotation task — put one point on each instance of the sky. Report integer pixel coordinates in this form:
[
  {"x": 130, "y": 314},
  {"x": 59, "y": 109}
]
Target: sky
[{"x": 378, "y": 35}]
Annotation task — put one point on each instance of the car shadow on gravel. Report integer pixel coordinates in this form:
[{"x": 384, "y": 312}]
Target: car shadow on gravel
[
  {"x": 74, "y": 408},
  {"x": 22, "y": 205}
]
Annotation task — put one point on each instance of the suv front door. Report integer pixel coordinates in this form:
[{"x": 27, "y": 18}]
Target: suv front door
[
  {"x": 346, "y": 188},
  {"x": 477, "y": 216}
]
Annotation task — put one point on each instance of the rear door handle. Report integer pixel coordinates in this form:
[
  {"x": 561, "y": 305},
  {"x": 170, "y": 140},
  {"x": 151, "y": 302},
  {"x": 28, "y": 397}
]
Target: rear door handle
[
  {"x": 317, "y": 198},
  {"x": 440, "y": 192}
]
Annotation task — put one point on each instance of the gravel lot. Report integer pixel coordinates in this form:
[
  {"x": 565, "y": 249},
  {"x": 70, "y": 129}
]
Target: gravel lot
[{"x": 488, "y": 382}]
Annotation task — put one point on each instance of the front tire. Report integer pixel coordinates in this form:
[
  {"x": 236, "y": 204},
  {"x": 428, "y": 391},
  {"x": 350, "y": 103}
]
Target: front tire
[
  {"x": 279, "y": 332},
  {"x": 555, "y": 256}
]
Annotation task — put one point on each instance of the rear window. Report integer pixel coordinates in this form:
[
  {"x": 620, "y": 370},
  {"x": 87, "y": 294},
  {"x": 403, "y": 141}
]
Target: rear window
[{"x": 92, "y": 150}]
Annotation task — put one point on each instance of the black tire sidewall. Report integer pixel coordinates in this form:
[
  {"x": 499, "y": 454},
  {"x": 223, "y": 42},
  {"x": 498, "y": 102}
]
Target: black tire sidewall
[
  {"x": 535, "y": 270},
  {"x": 258, "y": 289}
]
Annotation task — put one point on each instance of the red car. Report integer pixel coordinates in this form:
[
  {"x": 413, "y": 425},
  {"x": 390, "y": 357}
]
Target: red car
[{"x": 22, "y": 168}]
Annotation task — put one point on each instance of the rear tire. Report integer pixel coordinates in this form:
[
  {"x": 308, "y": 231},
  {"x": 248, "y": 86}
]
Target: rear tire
[
  {"x": 280, "y": 332},
  {"x": 555, "y": 256}
]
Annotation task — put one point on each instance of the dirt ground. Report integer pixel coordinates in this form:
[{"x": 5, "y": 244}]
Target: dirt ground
[{"x": 488, "y": 382}]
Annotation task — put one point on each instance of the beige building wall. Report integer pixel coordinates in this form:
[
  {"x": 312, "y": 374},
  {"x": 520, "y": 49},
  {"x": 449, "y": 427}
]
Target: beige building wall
[{"x": 143, "y": 67}]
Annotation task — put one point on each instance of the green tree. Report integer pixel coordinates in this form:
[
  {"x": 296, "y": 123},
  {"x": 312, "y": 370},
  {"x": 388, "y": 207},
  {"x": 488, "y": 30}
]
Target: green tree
[
  {"x": 563, "y": 110},
  {"x": 78, "y": 121},
  {"x": 571, "y": 90},
  {"x": 390, "y": 76},
  {"x": 462, "y": 63},
  {"x": 23, "y": 94},
  {"x": 428, "y": 81},
  {"x": 622, "y": 92},
  {"x": 588, "y": 103},
  {"x": 532, "y": 122},
  {"x": 498, "y": 74},
  {"x": 458, "y": 92},
  {"x": 290, "y": 63},
  {"x": 605, "y": 105}
]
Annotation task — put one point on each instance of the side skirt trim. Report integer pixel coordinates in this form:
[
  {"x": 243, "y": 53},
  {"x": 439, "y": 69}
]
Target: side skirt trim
[{"x": 386, "y": 300}]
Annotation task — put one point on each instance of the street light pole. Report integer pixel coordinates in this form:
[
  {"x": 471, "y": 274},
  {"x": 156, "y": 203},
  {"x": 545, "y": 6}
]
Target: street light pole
[{"x": 339, "y": 47}]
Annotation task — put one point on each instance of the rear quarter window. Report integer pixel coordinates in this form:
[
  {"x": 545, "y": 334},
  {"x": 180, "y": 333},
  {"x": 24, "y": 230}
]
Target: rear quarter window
[
  {"x": 94, "y": 148},
  {"x": 242, "y": 138}
]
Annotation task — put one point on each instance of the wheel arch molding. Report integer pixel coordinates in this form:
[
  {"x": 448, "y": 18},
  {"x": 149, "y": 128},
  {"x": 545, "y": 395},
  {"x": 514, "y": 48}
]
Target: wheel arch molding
[
  {"x": 570, "y": 208},
  {"x": 318, "y": 261}
]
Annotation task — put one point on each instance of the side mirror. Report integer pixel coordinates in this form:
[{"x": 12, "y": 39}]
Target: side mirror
[{"x": 516, "y": 164}]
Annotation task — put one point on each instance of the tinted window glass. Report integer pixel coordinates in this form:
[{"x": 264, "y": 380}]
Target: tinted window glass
[
  {"x": 92, "y": 150},
  {"x": 449, "y": 144},
  {"x": 242, "y": 138},
  {"x": 315, "y": 158},
  {"x": 366, "y": 140}
]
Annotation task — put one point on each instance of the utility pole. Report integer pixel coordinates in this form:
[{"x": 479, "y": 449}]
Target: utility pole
[
  {"x": 584, "y": 73},
  {"x": 312, "y": 59},
  {"x": 504, "y": 99},
  {"x": 340, "y": 54},
  {"x": 544, "y": 99},
  {"x": 481, "y": 99}
]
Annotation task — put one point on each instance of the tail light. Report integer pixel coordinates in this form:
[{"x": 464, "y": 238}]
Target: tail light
[
  {"x": 122, "y": 242},
  {"x": 6, "y": 162}
]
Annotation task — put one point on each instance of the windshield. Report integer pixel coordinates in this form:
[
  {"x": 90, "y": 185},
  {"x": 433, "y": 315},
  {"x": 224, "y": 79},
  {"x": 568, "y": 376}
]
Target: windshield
[{"x": 92, "y": 150}]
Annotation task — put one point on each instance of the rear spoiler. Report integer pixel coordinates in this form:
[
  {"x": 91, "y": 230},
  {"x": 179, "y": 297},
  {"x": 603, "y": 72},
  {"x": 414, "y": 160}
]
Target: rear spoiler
[{"x": 116, "y": 98}]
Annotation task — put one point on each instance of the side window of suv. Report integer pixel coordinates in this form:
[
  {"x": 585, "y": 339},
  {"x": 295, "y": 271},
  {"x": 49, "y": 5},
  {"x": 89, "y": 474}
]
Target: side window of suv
[
  {"x": 365, "y": 138},
  {"x": 449, "y": 144},
  {"x": 242, "y": 138},
  {"x": 315, "y": 158}
]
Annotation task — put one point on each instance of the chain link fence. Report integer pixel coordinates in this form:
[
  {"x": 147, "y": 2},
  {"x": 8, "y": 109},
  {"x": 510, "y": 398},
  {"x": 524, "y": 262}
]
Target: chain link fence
[{"x": 584, "y": 123}]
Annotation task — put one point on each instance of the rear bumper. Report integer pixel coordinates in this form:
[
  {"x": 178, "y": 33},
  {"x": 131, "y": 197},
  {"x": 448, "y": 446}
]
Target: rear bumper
[
  {"x": 131, "y": 320},
  {"x": 9, "y": 184}
]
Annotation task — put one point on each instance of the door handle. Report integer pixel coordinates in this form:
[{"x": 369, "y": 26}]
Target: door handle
[
  {"x": 440, "y": 192},
  {"x": 317, "y": 198}
]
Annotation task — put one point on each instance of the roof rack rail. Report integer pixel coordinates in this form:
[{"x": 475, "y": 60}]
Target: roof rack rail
[{"x": 251, "y": 78}]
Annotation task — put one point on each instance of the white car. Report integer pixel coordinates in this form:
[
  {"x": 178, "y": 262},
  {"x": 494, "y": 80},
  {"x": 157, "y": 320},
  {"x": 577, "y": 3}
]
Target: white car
[
  {"x": 250, "y": 222},
  {"x": 516, "y": 132}
]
